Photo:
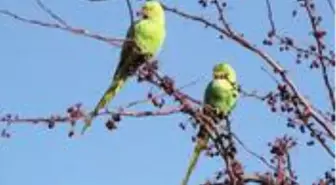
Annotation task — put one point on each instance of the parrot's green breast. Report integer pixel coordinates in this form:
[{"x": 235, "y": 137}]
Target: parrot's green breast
[
  {"x": 149, "y": 36},
  {"x": 221, "y": 94}
]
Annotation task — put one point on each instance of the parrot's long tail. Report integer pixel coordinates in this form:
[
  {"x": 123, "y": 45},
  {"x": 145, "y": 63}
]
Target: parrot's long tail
[
  {"x": 197, "y": 152},
  {"x": 109, "y": 94},
  {"x": 105, "y": 99}
]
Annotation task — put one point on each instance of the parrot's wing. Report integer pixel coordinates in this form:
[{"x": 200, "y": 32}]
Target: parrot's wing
[
  {"x": 129, "y": 50},
  {"x": 234, "y": 97},
  {"x": 207, "y": 93}
]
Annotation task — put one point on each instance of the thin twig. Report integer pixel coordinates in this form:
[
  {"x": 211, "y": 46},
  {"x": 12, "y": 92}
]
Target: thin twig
[
  {"x": 220, "y": 12},
  {"x": 130, "y": 11},
  {"x": 51, "y": 13},
  {"x": 331, "y": 6},
  {"x": 289, "y": 166},
  {"x": 161, "y": 95},
  {"x": 270, "y": 16},
  {"x": 66, "y": 119},
  {"x": 77, "y": 31},
  {"x": 318, "y": 39},
  {"x": 248, "y": 150}
]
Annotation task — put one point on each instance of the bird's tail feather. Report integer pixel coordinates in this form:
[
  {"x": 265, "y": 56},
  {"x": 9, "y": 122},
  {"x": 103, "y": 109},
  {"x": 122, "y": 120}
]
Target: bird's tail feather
[
  {"x": 109, "y": 94},
  {"x": 105, "y": 99},
  {"x": 192, "y": 163}
]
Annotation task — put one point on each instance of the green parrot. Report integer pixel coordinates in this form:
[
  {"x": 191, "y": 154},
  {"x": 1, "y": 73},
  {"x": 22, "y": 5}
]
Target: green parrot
[
  {"x": 143, "y": 41},
  {"x": 221, "y": 94}
]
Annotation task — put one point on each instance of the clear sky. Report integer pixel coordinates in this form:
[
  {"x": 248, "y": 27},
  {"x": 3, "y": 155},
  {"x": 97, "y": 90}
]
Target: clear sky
[{"x": 43, "y": 71}]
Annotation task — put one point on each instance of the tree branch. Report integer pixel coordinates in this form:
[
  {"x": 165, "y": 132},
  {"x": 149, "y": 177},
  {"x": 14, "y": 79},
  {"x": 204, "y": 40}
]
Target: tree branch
[
  {"x": 130, "y": 11},
  {"x": 270, "y": 61},
  {"x": 318, "y": 34},
  {"x": 77, "y": 31}
]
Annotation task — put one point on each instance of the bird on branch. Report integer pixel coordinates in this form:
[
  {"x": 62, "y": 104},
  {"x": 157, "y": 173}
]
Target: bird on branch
[
  {"x": 221, "y": 96},
  {"x": 143, "y": 41}
]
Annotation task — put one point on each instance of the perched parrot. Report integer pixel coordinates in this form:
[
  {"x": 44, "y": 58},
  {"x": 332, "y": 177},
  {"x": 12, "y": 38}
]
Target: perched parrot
[
  {"x": 221, "y": 94},
  {"x": 144, "y": 39}
]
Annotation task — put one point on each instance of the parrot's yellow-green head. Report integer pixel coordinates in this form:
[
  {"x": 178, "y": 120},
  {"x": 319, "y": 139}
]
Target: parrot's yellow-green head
[
  {"x": 153, "y": 10},
  {"x": 224, "y": 71}
]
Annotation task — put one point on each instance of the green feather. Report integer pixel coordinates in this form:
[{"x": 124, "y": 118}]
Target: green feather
[
  {"x": 221, "y": 94},
  {"x": 144, "y": 38}
]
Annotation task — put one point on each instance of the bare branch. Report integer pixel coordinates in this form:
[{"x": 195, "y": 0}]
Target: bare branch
[
  {"x": 79, "y": 114},
  {"x": 51, "y": 13},
  {"x": 331, "y": 6},
  {"x": 151, "y": 97},
  {"x": 318, "y": 35},
  {"x": 222, "y": 18},
  {"x": 248, "y": 150},
  {"x": 130, "y": 11},
  {"x": 77, "y": 31},
  {"x": 270, "y": 61},
  {"x": 270, "y": 17}
]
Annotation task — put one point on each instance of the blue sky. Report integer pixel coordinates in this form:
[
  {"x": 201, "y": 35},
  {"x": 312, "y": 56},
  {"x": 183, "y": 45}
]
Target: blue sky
[{"x": 43, "y": 71}]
